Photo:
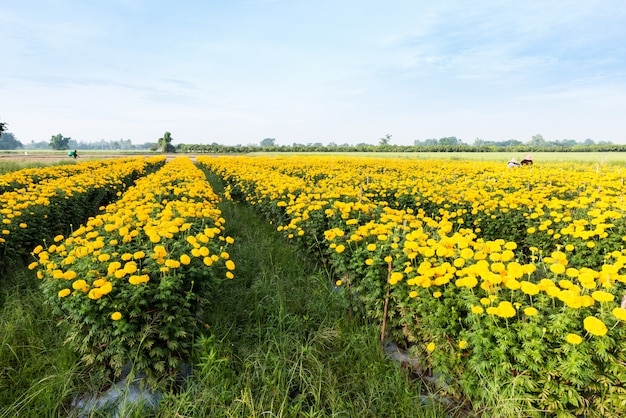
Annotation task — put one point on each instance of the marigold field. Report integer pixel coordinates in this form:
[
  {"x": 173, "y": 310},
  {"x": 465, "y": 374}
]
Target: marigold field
[{"x": 493, "y": 279}]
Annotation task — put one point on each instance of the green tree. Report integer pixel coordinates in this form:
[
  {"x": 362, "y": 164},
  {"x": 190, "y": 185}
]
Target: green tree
[
  {"x": 165, "y": 143},
  {"x": 8, "y": 141},
  {"x": 268, "y": 142},
  {"x": 3, "y": 127},
  {"x": 59, "y": 142},
  {"x": 384, "y": 140},
  {"x": 538, "y": 141}
]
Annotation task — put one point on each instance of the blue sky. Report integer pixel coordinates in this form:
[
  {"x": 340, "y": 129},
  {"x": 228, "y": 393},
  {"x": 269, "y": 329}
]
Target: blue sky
[{"x": 343, "y": 71}]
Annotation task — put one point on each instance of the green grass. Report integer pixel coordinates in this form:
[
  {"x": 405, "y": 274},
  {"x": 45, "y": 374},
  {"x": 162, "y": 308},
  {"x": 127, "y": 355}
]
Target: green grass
[{"x": 278, "y": 344}]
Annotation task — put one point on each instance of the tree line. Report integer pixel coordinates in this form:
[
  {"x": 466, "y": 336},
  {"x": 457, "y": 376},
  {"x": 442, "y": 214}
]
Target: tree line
[{"x": 445, "y": 144}]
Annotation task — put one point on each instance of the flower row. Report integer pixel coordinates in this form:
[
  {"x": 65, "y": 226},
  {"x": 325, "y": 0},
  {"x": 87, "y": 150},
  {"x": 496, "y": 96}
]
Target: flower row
[
  {"x": 512, "y": 274},
  {"x": 51, "y": 206},
  {"x": 128, "y": 282}
]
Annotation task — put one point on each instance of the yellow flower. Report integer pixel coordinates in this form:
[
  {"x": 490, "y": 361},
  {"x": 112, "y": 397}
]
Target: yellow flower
[
  {"x": 64, "y": 292},
  {"x": 207, "y": 261},
  {"x": 230, "y": 240},
  {"x": 602, "y": 296},
  {"x": 477, "y": 310},
  {"x": 32, "y": 265},
  {"x": 138, "y": 255},
  {"x": 229, "y": 275},
  {"x": 371, "y": 247},
  {"x": 530, "y": 311},
  {"x": 557, "y": 268},
  {"x": 430, "y": 347},
  {"x": 595, "y": 326},
  {"x": 413, "y": 294},
  {"x": 574, "y": 339},
  {"x": 437, "y": 294},
  {"x": 116, "y": 316},
  {"x": 340, "y": 248},
  {"x": 338, "y": 283},
  {"x": 185, "y": 259},
  {"x": 58, "y": 238},
  {"x": 369, "y": 261},
  {"x": 619, "y": 313},
  {"x": 225, "y": 255},
  {"x": 462, "y": 344},
  {"x": 230, "y": 265},
  {"x": 79, "y": 284}
]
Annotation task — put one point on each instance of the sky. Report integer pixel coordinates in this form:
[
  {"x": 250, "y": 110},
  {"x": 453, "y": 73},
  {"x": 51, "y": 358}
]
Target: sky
[{"x": 304, "y": 71}]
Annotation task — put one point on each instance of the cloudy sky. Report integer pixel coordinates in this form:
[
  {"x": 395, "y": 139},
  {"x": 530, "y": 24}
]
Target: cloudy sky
[{"x": 343, "y": 71}]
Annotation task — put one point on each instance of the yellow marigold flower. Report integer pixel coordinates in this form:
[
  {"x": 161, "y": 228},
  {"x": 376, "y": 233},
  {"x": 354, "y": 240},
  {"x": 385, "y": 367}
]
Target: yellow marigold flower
[
  {"x": 79, "y": 284},
  {"x": 130, "y": 267},
  {"x": 485, "y": 301},
  {"x": 69, "y": 275},
  {"x": 369, "y": 261},
  {"x": 602, "y": 296},
  {"x": 529, "y": 288},
  {"x": 32, "y": 265},
  {"x": 531, "y": 230},
  {"x": 477, "y": 310},
  {"x": 430, "y": 347},
  {"x": 459, "y": 262},
  {"x": 506, "y": 309},
  {"x": 530, "y": 311},
  {"x": 172, "y": 263},
  {"x": 574, "y": 339},
  {"x": 388, "y": 259},
  {"x": 58, "y": 238},
  {"x": 591, "y": 244},
  {"x": 185, "y": 259},
  {"x": 595, "y": 326},
  {"x": 37, "y": 249},
  {"x": 395, "y": 277},
  {"x": 230, "y": 275},
  {"x": 340, "y": 248},
  {"x": 462, "y": 344},
  {"x": 225, "y": 255},
  {"x": 106, "y": 288},
  {"x": 39, "y": 275},
  {"x": 94, "y": 293},
  {"x": 619, "y": 313},
  {"x": 230, "y": 265},
  {"x": 413, "y": 294},
  {"x": 230, "y": 240},
  {"x": 23, "y": 225},
  {"x": 557, "y": 268},
  {"x": 371, "y": 247},
  {"x": 126, "y": 256},
  {"x": 569, "y": 247},
  {"x": 338, "y": 283},
  {"x": 139, "y": 255},
  {"x": 207, "y": 261},
  {"x": 64, "y": 292},
  {"x": 437, "y": 294},
  {"x": 510, "y": 245},
  {"x": 116, "y": 316},
  {"x": 382, "y": 237}
]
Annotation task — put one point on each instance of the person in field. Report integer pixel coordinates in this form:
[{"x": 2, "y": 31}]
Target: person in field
[
  {"x": 528, "y": 160},
  {"x": 513, "y": 163}
]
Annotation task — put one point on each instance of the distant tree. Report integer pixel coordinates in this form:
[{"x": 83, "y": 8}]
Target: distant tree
[
  {"x": 165, "y": 143},
  {"x": 384, "y": 140},
  {"x": 588, "y": 141},
  {"x": 59, "y": 142},
  {"x": 268, "y": 142},
  {"x": 8, "y": 141},
  {"x": 538, "y": 141},
  {"x": 3, "y": 127},
  {"x": 449, "y": 141}
]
